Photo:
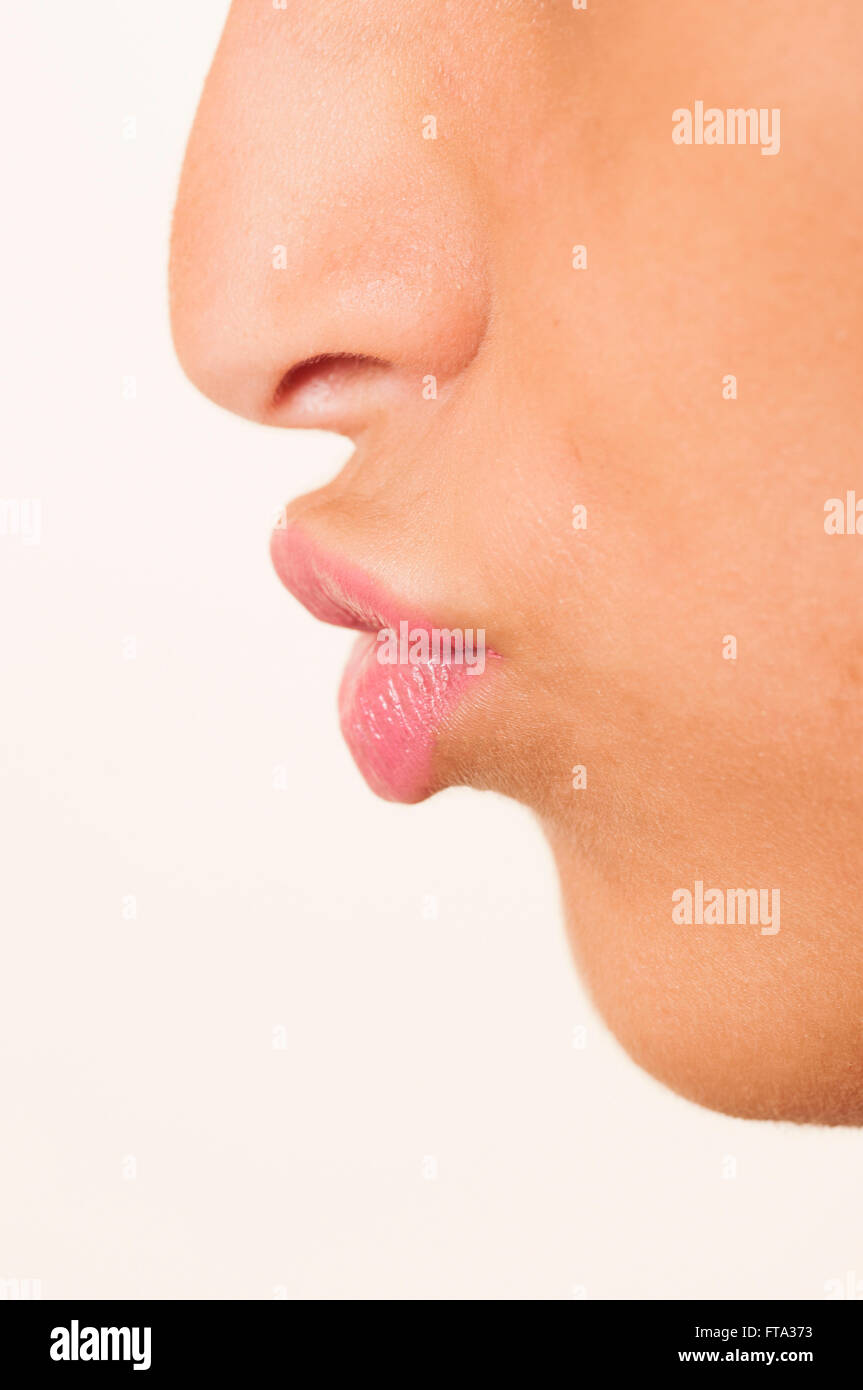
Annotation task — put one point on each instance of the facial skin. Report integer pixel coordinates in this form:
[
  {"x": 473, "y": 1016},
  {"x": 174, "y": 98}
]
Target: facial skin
[{"x": 407, "y": 257}]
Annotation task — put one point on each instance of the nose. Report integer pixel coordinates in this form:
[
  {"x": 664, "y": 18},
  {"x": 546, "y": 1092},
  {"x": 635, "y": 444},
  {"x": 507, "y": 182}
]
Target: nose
[{"x": 327, "y": 250}]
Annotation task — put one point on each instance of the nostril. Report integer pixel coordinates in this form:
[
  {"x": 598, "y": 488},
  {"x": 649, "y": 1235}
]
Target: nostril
[{"x": 331, "y": 387}]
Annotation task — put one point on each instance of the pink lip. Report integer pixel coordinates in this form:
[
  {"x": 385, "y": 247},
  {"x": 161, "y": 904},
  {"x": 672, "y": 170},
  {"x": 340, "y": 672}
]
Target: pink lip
[{"x": 390, "y": 714}]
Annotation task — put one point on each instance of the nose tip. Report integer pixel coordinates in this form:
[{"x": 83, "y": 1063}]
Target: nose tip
[{"x": 317, "y": 274}]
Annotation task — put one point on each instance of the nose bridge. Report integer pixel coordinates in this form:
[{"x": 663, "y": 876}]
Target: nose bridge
[{"x": 315, "y": 217}]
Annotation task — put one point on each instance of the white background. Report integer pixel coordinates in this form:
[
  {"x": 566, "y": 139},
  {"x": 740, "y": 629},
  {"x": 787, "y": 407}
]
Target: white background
[{"x": 562, "y": 1171}]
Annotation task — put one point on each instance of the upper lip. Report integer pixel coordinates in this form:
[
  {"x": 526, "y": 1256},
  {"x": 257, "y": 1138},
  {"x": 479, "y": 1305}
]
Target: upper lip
[{"x": 335, "y": 591}]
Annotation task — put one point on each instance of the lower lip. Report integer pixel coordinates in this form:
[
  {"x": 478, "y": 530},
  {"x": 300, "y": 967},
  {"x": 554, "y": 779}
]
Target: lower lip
[{"x": 391, "y": 716}]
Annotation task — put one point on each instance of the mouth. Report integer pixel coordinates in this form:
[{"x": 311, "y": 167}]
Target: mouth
[{"x": 405, "y": 676}]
